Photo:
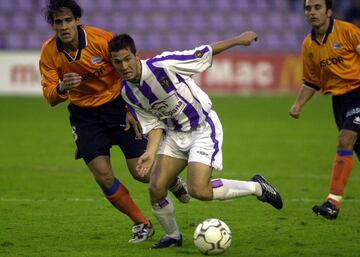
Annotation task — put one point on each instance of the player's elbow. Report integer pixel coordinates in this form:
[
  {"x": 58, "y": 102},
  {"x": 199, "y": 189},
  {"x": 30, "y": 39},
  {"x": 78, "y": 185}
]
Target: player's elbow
[{"x": 51, "y": 102}]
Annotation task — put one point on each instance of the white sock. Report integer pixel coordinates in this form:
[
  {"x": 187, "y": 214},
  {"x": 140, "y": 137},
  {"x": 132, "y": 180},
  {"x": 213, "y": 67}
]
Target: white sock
[
  {"x": 164, "y": 211},
  {"x": 227, "y": 189},
  {"x": 337, "y": 198}
]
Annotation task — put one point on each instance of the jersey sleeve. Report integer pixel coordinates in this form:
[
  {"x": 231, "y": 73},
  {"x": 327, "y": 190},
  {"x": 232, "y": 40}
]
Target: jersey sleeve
[
  {"x": 310, "y": 76},
  {"x": 50, "y": 80},
  {"x": 354, "y": 36},
  {"x": 188, "y": 62},
  {"x": 102, "y": 40}
]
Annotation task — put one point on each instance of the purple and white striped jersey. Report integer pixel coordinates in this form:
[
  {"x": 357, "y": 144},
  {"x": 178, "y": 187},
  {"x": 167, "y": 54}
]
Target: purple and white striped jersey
[{"x": 167, "y": 97}]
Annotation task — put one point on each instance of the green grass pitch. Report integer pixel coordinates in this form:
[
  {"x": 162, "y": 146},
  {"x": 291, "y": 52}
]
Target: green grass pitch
[{"x": 50, "y": 205}]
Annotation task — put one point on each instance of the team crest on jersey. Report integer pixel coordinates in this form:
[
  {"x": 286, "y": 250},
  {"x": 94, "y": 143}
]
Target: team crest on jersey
[
  {"x": 336, "y": 45},
  {"x": 95, "y": 59},
  {"x": 164, "y": 81},
  {"x": 199, "y": 54},
  {"x": 357, "y": 120}
]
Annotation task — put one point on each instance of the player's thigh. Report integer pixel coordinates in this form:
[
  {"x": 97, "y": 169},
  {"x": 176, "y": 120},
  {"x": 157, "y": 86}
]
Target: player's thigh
[
  {"x": 198, "y": 177},
  {"x": 89, "y": 134},
  {"x": 131, "y": 164},
  {"x": 164, "y": 171},
  {"x": 132, "y": 149},
  {"x": 129, "y": 145}
]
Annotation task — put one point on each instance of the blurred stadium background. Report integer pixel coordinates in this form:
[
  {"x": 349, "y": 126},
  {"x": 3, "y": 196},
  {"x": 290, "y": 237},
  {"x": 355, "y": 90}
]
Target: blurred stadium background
[{"x": 271, "y": 65}]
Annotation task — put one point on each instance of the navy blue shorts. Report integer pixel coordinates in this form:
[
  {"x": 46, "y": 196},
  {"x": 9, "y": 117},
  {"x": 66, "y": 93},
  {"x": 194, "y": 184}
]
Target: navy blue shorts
[
  {"x": 346, "y": 110},
  {"x": 97, "y": 129}
]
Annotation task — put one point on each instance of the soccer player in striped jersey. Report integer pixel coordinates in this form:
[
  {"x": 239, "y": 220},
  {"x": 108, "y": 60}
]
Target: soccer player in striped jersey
[
  {"x": 182, "y": 128},
  {"x": 331, "y": 64},
  {"x": 75, "y": 65}
]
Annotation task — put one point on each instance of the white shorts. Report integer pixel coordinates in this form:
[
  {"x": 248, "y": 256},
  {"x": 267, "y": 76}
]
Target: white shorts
[{"x": 202, "y": 144}]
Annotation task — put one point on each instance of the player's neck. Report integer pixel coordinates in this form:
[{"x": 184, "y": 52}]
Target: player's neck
[
  {"x": 322, "y": 29},
  {"x": 71, "y": 46}
]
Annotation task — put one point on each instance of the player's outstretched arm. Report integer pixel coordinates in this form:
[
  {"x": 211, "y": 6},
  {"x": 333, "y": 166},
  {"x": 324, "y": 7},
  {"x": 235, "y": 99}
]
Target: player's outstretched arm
[{"x": 244, "y": 39}]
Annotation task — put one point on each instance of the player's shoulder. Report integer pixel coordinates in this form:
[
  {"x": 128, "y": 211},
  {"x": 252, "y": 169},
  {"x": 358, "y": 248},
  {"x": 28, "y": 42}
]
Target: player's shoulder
[
  {"x": 307, "y": 40},
  {"x": 49, "y": 46},
  {"x": 98, "y": 33},
  {"x": 345, "y": 29},
  {"x": 345, "y": 26}
]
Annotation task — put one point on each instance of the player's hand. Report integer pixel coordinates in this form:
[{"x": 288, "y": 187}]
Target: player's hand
[
  {"x": 131, "y": 122},
  {"x": 295, "y": 111},
  {"x": 70, "y": 81},
  {"x": 246, "y": 38},
  {"x": 145, "y": 163}
]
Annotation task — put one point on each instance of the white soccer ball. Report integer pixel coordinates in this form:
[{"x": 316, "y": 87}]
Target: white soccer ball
[{"x": 212, "y": 237}]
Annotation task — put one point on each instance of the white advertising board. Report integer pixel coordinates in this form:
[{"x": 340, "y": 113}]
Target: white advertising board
[
  {"x": 230, "y": 73},
  {"x": 20, "y": 73}
]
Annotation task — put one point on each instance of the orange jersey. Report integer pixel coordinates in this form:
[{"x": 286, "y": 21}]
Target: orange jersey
[
  {"x": 100, "y": 81},
  {"x": 333, "y": 65}
]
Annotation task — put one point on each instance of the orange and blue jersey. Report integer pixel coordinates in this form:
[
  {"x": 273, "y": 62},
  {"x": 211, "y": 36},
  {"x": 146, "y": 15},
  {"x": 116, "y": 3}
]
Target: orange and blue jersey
[
  {"x": 332, "y": 65},
  {"x": 100, "y": 81}
]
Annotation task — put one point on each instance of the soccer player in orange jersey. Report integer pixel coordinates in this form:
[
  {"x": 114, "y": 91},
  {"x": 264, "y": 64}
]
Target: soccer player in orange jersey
[
  {"x": 75, "y": 65},
  {"x": 331, "y": 64}
]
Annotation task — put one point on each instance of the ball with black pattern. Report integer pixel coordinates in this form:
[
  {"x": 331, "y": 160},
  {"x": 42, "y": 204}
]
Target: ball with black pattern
[{"x": 212, "y": 237}]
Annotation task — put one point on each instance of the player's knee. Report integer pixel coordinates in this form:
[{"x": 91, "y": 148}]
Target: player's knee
[
  {"x": 105, "y": 180},
  {"x": 157, "y": 192},
  {"x": 344, "y": 144},
  {"x": 346, "y": 140},
  {"x": 200, "y": 193}
]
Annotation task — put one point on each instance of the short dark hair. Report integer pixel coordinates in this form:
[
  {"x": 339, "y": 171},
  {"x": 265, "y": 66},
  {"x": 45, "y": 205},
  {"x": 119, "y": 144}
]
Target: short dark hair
[
  {"x": 122, "y": 41},
  {"x": 56, "y": 5},
  {"x": 328, "y": 4}
]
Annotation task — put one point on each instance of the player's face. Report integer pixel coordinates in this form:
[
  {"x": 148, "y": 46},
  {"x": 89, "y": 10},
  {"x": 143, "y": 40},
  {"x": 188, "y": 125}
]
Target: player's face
[
  {"x": 65, "y": 26},
  {"x": 127, "y": 65},
  {"x": 316, "y": 14}
]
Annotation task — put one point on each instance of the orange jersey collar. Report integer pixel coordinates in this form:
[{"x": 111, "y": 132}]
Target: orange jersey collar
[
  {"x": 329, "y": 30},
  {"x": 82, "y": 45}
]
